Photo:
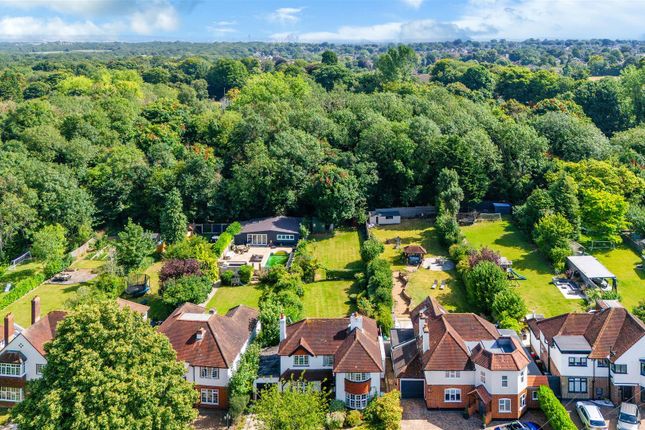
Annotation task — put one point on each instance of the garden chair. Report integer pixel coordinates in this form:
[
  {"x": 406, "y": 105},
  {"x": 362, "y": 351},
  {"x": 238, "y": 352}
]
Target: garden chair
[
  {"x": 443, "y": 285},
  {"x": 434, "y": 285}
]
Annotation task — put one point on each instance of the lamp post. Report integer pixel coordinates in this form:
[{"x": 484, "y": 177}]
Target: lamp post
[{"x": 227, "y": 420}]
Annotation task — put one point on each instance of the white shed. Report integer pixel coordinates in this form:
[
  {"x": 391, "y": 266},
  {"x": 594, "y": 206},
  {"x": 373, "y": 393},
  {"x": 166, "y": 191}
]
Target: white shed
[{"x": 385, "y": 217}]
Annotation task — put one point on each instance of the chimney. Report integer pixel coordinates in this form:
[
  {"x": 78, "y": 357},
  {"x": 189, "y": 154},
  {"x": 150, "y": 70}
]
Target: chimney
[
  {"x": 283, "y": 327},
  {"x": 426, "y": 339},
  {"x": 8, "y": 328},
  {"x": 422, "y": 324},
  {"x": 35, "y": 310},
  {"x": 355, "y": 321},
  {"x": 200, "y": 334}
]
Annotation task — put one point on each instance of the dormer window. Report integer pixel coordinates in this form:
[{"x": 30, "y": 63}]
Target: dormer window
[
  {"x": 199, "y": 335},
  {"x": 300, "y": 361}
]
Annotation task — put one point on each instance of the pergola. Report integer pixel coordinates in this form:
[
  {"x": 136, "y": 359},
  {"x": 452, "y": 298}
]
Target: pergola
[{"x": 592, "y": 271}]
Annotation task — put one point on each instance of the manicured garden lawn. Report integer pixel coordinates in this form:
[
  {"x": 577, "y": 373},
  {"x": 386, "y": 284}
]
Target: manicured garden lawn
[
  {"x": 228, "y": 297},
  {"x": 338, "y": 251},
  {"x": 539, "y": 294},
  {"x": 93, "y": 265},
  {"x": 153, "y": 272},
  {"x": 20, "y": 272},
  {"x": 453, "y": 297},
  {"x": 52, "y": 297},
  {"x": 411, "y": 231},
  {"x": 622, "y": 262},
  {"x": 327, "y": 299}
]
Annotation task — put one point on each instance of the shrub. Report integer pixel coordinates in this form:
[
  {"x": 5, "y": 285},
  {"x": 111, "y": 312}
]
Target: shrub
[
  {"x": 364, "y": 306},
  {"x": 226, "y": 277},
  {"x": 353, "y": 419},
  {"x": 508, "y": 304},
  {"x": 335, "y": 420},
  {"x": 556, "y": 414},
  {"x": 237, "y": 405},
  {"x": 459, "y": 251},
  {"x": 336, "y": 405},
  {"x": 385, "y": 412},
  {"x": 483, "y": 282},
  {"x": 111, "y": 285},
  {"x": 176, "y": 268},
  {"x": 21, "y": 288},
  {"x": 484, "y": 254},
  {"x": 198, "y": 248},
  {"x": 370, "y": 249},
  {"x": 192, "y": 289},
  {"x": 234, "y": 228},
  {"x": 241, "y": 383},
  {"x": 245, "y": 272}
]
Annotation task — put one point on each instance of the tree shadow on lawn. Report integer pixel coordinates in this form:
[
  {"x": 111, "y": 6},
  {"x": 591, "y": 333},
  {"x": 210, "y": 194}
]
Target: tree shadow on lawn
[{"x": 13, "y": 277}]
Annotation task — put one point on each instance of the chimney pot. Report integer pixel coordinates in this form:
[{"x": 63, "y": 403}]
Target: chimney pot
[
  {"x": 35, "y": 309},
  {"x": 283, "y": 327},
  {"x": 425, "y": 339},
  {"x": 8, "y": 328},
  {"x": 355, "y": 321}
]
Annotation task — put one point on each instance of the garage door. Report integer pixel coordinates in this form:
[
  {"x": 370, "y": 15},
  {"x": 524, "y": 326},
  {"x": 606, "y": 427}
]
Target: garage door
[{"x": 412, "y": 389}]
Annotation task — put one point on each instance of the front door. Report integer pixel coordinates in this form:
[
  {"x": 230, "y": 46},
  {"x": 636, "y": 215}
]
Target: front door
[
  {"x": 627, "y": 394},
  {"x": 257, "y": 239}
]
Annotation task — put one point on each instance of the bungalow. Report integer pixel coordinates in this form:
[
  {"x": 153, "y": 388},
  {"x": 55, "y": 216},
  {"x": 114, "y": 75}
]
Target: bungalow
[
  {"x": 210, "y": 346},
  {"x": 461, "y": 361},
  {"x": 279, "y": 230},
  {"x": 346, "y": 353},
  {"x": 596, "y": 355}
]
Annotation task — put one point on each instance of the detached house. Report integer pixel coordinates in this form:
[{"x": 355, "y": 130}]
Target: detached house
[
  {"x": 23, "y": 356},
  {"x": 596, "y": 355},
  {"x": 462, "y": 361},
  {"x": 210, "y": 345},
  {"x": 344, "y": 354}
]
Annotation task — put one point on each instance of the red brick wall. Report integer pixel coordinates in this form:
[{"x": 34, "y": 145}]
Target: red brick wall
[
  {"x": 515, "y": 413},
  {"x": 223, "y": 397},
  {"x": 435, "y": 396}
]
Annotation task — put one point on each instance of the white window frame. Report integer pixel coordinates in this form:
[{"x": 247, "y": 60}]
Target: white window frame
[
  {"x": 523, "y": 401},
  {"x": 356, "y": 401},
  {"x": 39, "y": 368},
  {"x": 328, "y": 361},
  {"x": 534, "y": 395},
  {"x": 577, "y": 382},
  {"x": 504, "y": 381},
  {"x": 577, "y": 361},
  {"x": 11, "y": 369},
  {"x": 453, "y": 374},
  {"x": 504, "y": 403},
  {"x": 209, "y": 372},
  {"x": 522, "y": 375},
  {"x": 482, "y": 376},
  {"x": 301, "y": 361},
  {"x": 286, "y": 237},
  {"x": 452, "y": 395},
  {"x": 209, "y": 396},
  {"x": 263, "y": 239},
  {"x": 357, "y": 377},
  {"x": 11, "y": 394}
]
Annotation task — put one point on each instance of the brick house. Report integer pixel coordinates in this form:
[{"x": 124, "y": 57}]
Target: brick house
[
  {"x": 461, "y": 361},
  {"x": 210, "y": 346},
  {"x": 597, "y": 355},
  {"x": 347, "y": 355}
]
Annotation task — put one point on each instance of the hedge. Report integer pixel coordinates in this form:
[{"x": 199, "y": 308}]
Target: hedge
[
  {"x": 225, "y": 238},
  {"x": 22, "y": 287},
  {"x": 556, "y": 414}
]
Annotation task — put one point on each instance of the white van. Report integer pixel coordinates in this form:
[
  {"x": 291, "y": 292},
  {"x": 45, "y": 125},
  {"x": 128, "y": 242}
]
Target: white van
[{"x": 629, "y": 417}]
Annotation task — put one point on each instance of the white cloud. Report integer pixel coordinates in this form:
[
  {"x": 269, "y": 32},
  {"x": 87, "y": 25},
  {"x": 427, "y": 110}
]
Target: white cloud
[
  {"x": 285, "y": 15},
  {"x": 509, "y": 19},
  {"x": 222, "y": 27},
  {"x": 413, "y": 3},
  {"x": 130, "y": 17}
]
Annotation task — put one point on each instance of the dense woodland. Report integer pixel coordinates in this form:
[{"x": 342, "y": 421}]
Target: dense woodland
[{"x": 92, "y": 140}]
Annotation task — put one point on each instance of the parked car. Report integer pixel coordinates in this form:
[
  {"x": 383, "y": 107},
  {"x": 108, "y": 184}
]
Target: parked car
[
  {"x": 591, "y": 417},
  {"x": 629, "y": 417},
  {"x": 519, "y": 425}
]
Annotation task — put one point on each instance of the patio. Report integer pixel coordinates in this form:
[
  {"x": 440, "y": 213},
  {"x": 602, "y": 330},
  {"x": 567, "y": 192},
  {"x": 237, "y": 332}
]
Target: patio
[{"x": 256, "y": 256}]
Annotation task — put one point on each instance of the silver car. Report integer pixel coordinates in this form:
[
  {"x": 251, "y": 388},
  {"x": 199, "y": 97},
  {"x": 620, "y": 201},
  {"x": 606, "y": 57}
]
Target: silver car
[
  {"x": 629, "y": 417},
  {"x": 591, "y": 417}
]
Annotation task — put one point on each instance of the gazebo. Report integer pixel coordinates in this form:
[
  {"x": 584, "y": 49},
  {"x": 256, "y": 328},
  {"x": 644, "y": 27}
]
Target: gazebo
[
  {"x": 414, "y": 254},
  {"x": 592, "y": 272}
]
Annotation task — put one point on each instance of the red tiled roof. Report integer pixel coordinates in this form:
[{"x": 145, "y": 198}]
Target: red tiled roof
[
  {"x": 447, "y": 349},
  {"x": 611, "y": 329},
  {"x": 355, "y": 351},
  {"x": 134, "y": 306},
  {"x": 414, "y": 249},
  {"x": 483, "y": 394},
  {"x": 223, "y": 335},
  {"x": 44, "y": 330},
  {"x": 515, "y": 360}
]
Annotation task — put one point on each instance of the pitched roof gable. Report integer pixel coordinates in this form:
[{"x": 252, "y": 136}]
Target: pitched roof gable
[
  {"x": 43, "y": 330},
  {"x": 358, "y": 353}
]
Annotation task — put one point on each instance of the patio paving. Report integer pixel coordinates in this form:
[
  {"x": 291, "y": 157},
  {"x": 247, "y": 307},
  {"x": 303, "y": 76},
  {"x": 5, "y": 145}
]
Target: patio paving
[{"x": 262, "y": 254}]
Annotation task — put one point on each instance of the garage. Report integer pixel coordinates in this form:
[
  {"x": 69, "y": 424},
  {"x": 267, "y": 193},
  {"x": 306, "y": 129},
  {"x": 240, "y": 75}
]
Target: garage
[{"x": 412, "y": 388}]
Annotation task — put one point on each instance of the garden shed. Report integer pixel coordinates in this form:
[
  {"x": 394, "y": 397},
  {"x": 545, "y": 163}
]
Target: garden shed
[
  {"x": 414, "y": 254},
  {"x": 385, "y": 217},
  {"x": 591, "y": 271}
]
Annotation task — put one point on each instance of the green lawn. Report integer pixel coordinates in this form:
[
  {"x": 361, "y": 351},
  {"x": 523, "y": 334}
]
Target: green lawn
[
  {"x": 411, "y": 231},
  {"x": 339, "y": 251},
  {"x": 226, "y": 298},
  {"x": 453, "y": 297},
  {"x": 327, "y": 299},
  {"x": 538, "y": 293},
  {"x": 622, "y": 262},
  {"x": 52, "y": 297}
]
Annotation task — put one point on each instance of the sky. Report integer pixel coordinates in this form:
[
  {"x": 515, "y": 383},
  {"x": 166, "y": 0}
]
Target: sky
[{"x": 338, "y": 21}]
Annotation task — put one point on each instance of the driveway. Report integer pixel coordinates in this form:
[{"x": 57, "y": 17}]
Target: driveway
[{"x": 417, "y": 417}]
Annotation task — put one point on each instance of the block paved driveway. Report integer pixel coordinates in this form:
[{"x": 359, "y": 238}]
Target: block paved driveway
[{"x": 417, "y": 417}]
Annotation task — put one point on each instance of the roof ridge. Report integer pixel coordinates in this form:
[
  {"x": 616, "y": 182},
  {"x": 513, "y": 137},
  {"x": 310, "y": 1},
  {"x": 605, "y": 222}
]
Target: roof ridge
[{"x": 379, "y": 365}]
